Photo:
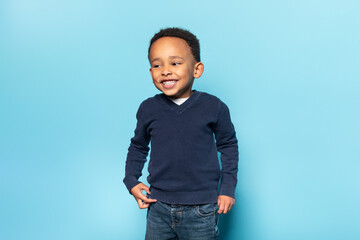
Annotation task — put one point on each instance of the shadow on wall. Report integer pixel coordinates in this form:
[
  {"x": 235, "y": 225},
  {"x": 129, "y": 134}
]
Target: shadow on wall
[
  {"x": 226, "y": 223},
  {"x": 231, "y": 223}
]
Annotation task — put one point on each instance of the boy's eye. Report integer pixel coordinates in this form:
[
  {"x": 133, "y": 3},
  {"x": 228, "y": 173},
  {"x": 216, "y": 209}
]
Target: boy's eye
[
  {"x": 156, "y": 66},
  {"x": 176, "y": 63}
]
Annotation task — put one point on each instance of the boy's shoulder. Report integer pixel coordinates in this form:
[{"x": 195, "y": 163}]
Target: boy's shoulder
[
  {"x": 211, "y": 100},
  {"x": 150, "y": 101},
  {"x": 209, "y": 97}
]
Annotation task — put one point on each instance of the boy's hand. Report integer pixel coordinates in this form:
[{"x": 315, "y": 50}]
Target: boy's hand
[
  {"x": 141, "y": 198},
  {"x": 225, "y": 203}
]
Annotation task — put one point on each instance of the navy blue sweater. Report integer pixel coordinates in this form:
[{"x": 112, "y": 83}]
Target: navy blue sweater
[{"x": 184, "y": 166}]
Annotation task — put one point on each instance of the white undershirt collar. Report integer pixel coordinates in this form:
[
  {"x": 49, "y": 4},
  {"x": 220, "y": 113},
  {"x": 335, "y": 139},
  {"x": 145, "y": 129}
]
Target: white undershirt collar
[{"x": 178, "y": 101}]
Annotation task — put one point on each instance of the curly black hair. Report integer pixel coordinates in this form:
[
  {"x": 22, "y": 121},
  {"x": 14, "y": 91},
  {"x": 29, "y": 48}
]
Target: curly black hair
[{"x": 190, "y": 38}]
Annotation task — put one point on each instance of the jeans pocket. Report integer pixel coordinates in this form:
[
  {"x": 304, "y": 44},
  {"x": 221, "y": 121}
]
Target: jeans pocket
[{"x": 206, "y": 210}]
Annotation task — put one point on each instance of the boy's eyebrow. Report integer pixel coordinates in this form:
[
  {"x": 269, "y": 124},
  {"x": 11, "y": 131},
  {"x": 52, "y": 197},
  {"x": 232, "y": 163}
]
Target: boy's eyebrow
[
  {"x": 175, "y": 57},
  {"x": 155, "y": 59},
  {"x": 171, "y": 57}
]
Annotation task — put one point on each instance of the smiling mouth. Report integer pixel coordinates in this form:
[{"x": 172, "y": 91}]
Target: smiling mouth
[{"x": 168, "y": 83}]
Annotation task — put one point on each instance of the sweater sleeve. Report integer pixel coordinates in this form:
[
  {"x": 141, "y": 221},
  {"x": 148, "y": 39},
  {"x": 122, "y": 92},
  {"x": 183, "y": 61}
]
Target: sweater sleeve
[
  {"x": 227, "y": 145},
  {"x": 137, "y": 152}
]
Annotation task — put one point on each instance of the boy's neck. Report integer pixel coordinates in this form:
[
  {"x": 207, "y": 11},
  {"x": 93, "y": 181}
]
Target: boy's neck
[
  {"x": 191, "y": 93},
  {"x": 174, "y": 98}
]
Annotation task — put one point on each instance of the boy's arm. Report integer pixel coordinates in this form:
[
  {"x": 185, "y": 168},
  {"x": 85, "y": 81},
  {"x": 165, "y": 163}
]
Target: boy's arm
[
  {"x": 136, "y": 158},
  {"x": 226, "y": 143}
]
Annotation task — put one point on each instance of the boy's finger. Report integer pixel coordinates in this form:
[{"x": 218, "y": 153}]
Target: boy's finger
[
  {"x": 145, "y": 205},
  {"x": 146, "y": 188},
  {"x": 143, "y": 187},
  {"x": 221, "y": 208},
  {"x": 150, "y": 200},
  {"x": 142, "y": 205},
  {"x": 226, "y": 208},
  {"x": 231, "y": 204},
  {"x": 145, "y": 199},
  {"x": 139, "y": 202},
  {"x": 142, "y": 197}
]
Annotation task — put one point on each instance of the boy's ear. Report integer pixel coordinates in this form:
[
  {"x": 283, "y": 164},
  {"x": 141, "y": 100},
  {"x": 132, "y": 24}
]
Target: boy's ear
[{"x": 198, "y": 69}]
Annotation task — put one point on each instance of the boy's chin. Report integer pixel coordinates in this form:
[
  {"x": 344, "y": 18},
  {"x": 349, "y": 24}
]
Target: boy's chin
[
  {"x": 171, "y": 94},
  {"x": 175, "y": 93}
]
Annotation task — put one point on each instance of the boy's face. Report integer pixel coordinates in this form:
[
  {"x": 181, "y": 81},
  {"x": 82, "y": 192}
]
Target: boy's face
[{"x": 173, "y": 67}]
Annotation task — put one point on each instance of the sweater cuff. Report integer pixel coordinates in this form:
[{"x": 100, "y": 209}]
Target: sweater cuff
[
  {"x": 130, "y": 183},
  {"x": 227, "y": 190}
]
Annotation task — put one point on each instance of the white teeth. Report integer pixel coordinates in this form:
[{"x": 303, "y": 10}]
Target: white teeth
[{"x": 168, "y": 82}]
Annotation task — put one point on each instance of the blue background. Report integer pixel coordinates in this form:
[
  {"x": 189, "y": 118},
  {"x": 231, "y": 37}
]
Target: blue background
[{"x": 73, "y": 73}]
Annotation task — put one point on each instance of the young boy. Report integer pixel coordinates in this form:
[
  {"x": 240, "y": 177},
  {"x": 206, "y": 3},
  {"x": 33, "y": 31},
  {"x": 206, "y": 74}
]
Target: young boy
[{"x": 186, "y": 129}]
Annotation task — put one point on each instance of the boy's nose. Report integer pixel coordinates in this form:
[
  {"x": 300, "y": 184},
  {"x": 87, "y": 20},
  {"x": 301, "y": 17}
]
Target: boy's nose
[{"x": 165, "y": 72}]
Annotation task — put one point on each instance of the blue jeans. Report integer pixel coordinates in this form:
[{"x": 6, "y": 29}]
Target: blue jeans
[{"x": 182, "y": 222}]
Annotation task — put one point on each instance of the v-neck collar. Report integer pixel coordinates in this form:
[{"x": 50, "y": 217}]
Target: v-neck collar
[{"x": 178, "y": 108}]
